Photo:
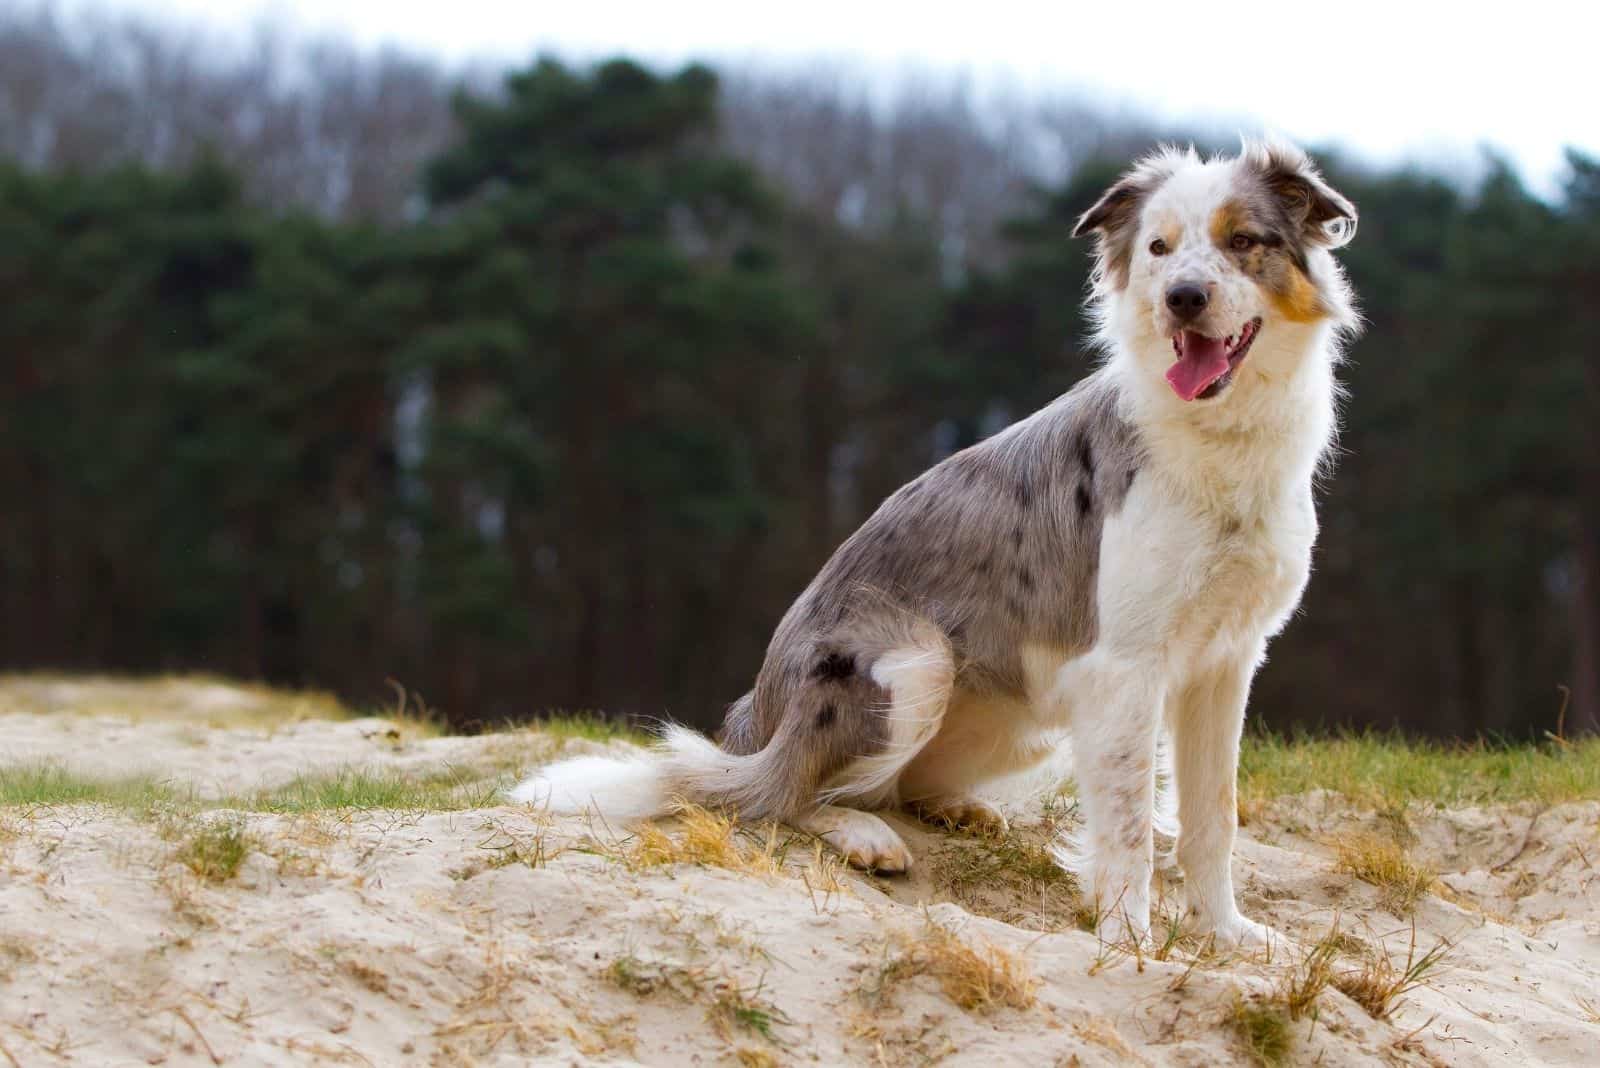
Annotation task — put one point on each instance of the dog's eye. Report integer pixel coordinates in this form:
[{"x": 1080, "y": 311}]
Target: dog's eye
[
  {"x": 1243, "y": 242},
  {"x": 1158, "y": 247}
]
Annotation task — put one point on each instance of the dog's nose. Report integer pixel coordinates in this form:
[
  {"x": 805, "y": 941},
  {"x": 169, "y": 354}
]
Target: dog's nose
[{"x": 1187, "y": 301}]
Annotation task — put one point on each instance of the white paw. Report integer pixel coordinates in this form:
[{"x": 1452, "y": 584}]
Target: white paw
[
  {"x": 1123, "y": 925},
  {"x": 865, "y": 841},
  {"x": 1239, "y": 933}
]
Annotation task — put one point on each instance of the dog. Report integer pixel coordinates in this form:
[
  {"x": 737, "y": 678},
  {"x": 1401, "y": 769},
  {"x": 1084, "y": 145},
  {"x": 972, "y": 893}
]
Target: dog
[{"x": 1113, "y": 565}]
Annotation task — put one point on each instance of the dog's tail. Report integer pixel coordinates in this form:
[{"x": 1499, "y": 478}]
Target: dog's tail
[{"x": 683, "y": 765}]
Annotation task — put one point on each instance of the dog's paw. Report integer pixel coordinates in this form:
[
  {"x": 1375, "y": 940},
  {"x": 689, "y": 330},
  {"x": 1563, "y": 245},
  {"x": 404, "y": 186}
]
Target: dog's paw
[
  {"x": 1120, "y": 929},
  {"x": 1240, "y": 935},
  {"x": 963, "y": 813},
  {"x": 864, "y": 840}
]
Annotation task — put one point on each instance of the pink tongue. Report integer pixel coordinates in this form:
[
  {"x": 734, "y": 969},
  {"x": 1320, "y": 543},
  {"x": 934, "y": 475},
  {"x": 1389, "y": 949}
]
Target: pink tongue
[{"x": 1204, "y": 360}]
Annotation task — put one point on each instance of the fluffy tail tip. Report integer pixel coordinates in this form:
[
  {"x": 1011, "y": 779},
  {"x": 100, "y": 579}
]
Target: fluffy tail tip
[{"x": 617, "y": 787}]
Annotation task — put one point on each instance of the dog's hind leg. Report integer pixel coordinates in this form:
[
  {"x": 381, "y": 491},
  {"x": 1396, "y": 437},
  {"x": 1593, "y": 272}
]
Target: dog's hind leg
[
  {"x": 918, "y": 674},
  {"x": 978, "y": 741}
]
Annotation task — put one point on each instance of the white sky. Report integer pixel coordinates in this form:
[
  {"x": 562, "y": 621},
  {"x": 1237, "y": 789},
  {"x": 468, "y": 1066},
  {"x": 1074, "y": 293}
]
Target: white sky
[{"x": 1394, "y": 81}]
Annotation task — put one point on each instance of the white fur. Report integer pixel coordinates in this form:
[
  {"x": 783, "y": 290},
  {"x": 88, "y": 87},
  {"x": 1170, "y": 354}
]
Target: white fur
[
  {"x": 621, "y": 788},
  {"x": 919, "y": 680},
  {"x": 683, "y": 763}
]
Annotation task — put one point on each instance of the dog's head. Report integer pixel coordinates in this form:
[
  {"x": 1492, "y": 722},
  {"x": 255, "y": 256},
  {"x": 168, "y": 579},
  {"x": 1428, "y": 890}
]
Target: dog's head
[{"x": 1199, "y": 262}]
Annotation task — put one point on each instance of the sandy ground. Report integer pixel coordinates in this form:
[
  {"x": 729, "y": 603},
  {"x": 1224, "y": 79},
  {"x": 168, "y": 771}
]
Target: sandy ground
[{"x": 496, "y": 936}]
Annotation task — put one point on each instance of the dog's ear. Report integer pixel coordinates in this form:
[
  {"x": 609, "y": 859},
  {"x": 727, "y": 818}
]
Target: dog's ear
[
  {"x": 1113, "y": 218},
  {"x": 1115, "y": 208},
  {"x": 1323, "y": 214}
]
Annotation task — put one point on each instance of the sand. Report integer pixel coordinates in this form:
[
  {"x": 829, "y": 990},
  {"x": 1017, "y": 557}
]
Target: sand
[{"x": 498, "y": 936}]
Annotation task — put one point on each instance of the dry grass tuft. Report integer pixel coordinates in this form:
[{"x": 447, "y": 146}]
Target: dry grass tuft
[
  {"x": 1013, "y": 878},
  {"x": 182, "y": 895},
  {"x": 643, "y": 978},
  {"x": 1379, "y": 985},
  {"x": 978, "y": 978},
  {"x": 1263, "y": 1027},
  {"x": 507, "y": 847},
  {"x": 214, "y": 849},
  {"x": 709, "y": 839},
  {"x": 971, "y": 864},
  {"x": 733, "y": 1009},
  {"x": 1311, "y": 975},
  {"x": 1384, "y": 864},
  {"x": 1263, "y": 1022},
  {"x": 824, "y": 878}
]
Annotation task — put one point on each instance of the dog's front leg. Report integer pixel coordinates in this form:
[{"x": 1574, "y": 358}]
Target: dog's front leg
[
  {"x": 1207, "y": 718},
  {"x": 1117, "y": 705}
]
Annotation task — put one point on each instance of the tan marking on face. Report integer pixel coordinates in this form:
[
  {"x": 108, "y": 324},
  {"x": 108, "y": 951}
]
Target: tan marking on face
[
  {"x": 1224, "y": 221},
  {"x": 1297, "y": 300},
  {"x": 1291, "y": 293}
]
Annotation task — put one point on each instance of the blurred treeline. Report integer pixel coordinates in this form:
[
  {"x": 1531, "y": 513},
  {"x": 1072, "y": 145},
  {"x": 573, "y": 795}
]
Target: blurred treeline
[{"x": 552, "y": 391}]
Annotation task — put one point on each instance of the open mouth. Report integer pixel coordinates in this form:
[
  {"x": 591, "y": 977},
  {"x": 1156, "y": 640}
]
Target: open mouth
[{"x": 1206, "y": 364}]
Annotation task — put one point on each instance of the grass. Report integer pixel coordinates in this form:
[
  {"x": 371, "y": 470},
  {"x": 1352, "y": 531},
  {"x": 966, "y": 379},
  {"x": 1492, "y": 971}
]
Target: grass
[
  {"x": 442, "y": 790},
  {"x": 731, "y": 1009},
  {"x": 435, "y": 790},
  {"x": 1379, "y": 985},
  {"x": 1383, "y": 770},
  {"x": 589, "y": 727},
  {"x": 215, "y": 849},
  {"x": 43, "y": 784},
  {"x": 507, "y": 848},
  {"x": 703, "y": 837},
  {"x": 1263, "y": 1021},
  {"x": 979, "y": 977},
  {"x": 1262, "y": 1026},
  {"x": 1383, "y": 863},
  {"x": 1312, "y": 974},
  {"x": 971, "y": 865}
]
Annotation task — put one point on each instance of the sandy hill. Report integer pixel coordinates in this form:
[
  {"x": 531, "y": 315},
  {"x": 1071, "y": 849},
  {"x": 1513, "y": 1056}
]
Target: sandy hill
[{"x": 198, "y": 873}]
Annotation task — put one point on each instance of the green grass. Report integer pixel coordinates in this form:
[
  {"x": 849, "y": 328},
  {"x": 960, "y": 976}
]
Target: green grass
[
  {"x": 1262, "y": 1027},
  {"x": 450, "y": 790},
  {"x": 29, "y": 785},
  {"x": 590, "y": 726},
  {"x": 214, "y": 849},
  {"x": 1382, "y": 769},
  {"x": 447, "y": 790}
]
